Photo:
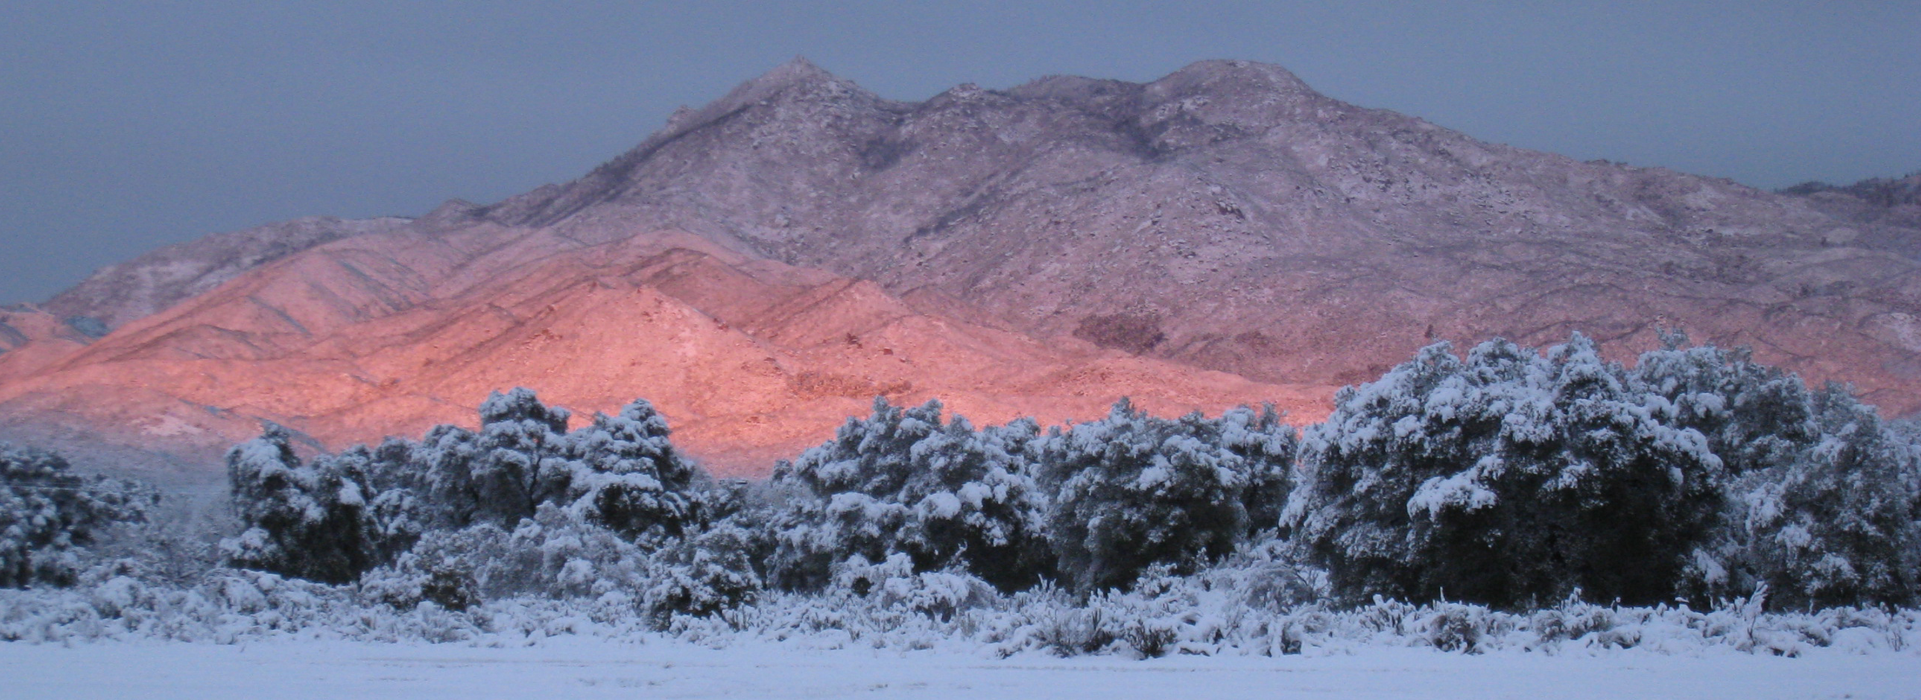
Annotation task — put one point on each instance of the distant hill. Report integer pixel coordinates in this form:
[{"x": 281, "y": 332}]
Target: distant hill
[{"x": 1890, "y": 202}]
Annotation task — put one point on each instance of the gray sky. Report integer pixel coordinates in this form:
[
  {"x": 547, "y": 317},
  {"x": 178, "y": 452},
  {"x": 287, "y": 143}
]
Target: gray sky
[{"x": 126, "y": 126}]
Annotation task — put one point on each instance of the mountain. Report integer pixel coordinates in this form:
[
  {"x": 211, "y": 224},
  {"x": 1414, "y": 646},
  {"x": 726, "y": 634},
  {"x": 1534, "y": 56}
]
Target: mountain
[{"x": 763, "y": 264}]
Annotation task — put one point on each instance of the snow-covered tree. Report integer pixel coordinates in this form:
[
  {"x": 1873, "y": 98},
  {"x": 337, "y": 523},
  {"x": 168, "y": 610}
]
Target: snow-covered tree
[
  {"x": 344, "y": 514},
  {"x": 702, "y": 575},
  {"x": 456, "y": 477},
  {"x": 1268, "y": 449},
  {"x": 1131, "y": 490},
  {"x": 1755, "y": 417},
  {"x": 621, "y": 472},
  {"x": 520, "y": 461},
  {"x": 624, "y": 474},
  {"x": 1835, "y": 526},
  {"x": 1820, "y": 508},
  {"x": 902, "y": 481},
  {"x": 47, "y": 513},
  {"x": 311, "y": 522},
  {"x": 1506, "y": 479}
]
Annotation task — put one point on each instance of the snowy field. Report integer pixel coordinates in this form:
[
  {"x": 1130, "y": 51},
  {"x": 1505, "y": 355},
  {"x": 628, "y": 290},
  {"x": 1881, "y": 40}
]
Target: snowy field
[{"x": 588, "y": 668}]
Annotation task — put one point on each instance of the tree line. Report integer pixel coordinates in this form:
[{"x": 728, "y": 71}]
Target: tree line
[{"x": 1506, "y": 476}]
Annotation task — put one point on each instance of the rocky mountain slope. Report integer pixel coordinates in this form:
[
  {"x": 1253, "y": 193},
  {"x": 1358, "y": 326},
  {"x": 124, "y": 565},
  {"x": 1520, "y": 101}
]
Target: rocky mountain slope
[{"x": 1220, "y": 235}]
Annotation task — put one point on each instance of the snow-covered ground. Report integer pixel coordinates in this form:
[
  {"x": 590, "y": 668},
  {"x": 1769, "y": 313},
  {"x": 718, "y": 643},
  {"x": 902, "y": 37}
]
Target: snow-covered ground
[
  {"x": 657, "y": 668},
  {"x": 239, "y": 634},
  {"x": 243, "y": 634}
]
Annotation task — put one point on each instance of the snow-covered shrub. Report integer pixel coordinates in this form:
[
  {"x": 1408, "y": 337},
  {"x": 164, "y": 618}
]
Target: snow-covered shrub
[
  {"x": 1821, "y": 507},
  {"x": 311, "y": 522},
  {"x": 1385, "y": 616},
  {"x": 551, "y": 555},
  {"x": 1267, "y": 448},
  {"x": 894, "y": 584},
  {"x": 622, "y": 473},
  {"x": 1455, "y": 627},
  {"x": 521, "y": 448},
  {"x": 410, "y": 582},
  {"x": 341, "y": 515},
  {"x": 1072, "y": 632},
  {"x": 1267, "y": 574},
  {"x": 1150, "y": 640},
  {"x": 439, "y": 569},
  {"x": 499, "y": 475},
  {"x": 902, "y": 482},
  {"x": 1506, "y": 478},
  {"x": 1131, "y": 491},
  {"x": 1836, "y": 525},
  {"x": 701, "y": 576},
  {"x": 1755, "y": 417},
  {"x": 1572, "y": 619},
  {"x": 47, "y": 513}
]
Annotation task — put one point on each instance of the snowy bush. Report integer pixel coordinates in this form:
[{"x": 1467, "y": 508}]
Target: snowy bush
[
  {"x": 1133, "y": 490},
  {"x": 342, "y": 515},
  {"x": 701, "y": 576},
  {"x": 499, "y": 475},
  {"x": 1150, "y": 640},
  {"x": 1836, "y": 525},
  {"x": 1455, "y": 627},
  {"x": 177, "y": 544},
  {"x": 1268, "y": 449},
  {"x": 1504, "y": 478},
  {"x": 1573, "y": 619},
  {"x": 1267, "y": 574},
  {"x": 1510, "y": 478},
  {"x": 623, "y": 473},
  {"x": 1820, "y": 509},
  {"x": 47, "y": 513},
  {"x": 902, "y": 482},
  {"x": 1072, "y": 632},
  {"x": 894, "y": 584},
  {"x": 311, "y": 522},
  {"x": 551, "y": 555},
  {"x": 1755, "y": 417},
  {"x": 519, "y": 457},
  {"x": 411, "y": 582}
]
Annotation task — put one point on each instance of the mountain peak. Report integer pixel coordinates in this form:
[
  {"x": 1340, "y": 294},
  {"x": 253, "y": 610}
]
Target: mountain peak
[
  {"x": 796, "y": 72},
  {"x": 1234, "y": 77},
  {"x": 797, "y": 80}
]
